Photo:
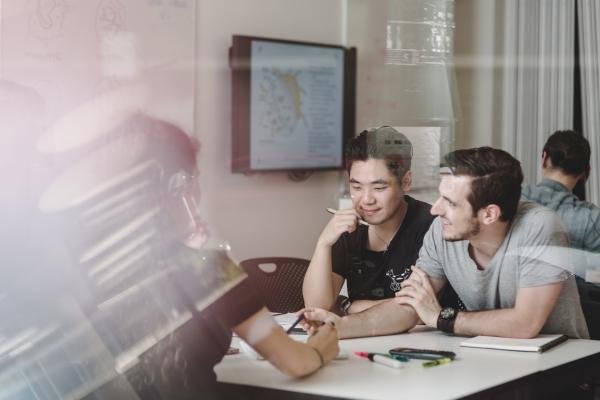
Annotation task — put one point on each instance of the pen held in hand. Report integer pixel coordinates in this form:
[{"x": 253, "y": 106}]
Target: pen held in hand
[
  {"x": 300, "y": 318},
  {"x": 360, "y": 221}
]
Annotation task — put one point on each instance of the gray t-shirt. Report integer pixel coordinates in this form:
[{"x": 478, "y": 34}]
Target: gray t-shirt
[{"x": 518, "y": 263}]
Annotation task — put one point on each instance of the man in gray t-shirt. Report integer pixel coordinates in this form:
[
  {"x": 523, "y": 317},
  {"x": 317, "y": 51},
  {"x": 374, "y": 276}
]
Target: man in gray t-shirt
[
  {"x": 493, "y": 251},
  {"x": 491, "y": 248},
  {"x": 515, "y": 265}
]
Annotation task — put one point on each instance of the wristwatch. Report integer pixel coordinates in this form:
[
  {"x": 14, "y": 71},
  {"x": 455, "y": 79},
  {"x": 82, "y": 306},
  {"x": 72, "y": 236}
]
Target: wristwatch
[{"x": 445, "y": 321}]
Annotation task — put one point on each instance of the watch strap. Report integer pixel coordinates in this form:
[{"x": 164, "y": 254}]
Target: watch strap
[{"x": 446, "y": 325}]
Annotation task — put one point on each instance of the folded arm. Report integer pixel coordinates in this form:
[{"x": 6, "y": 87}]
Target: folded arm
[
  {"x": 382, "y": 319},
  {"x": 525, "y": 320},
  {"x": 361, "y": 305},
  {"x": 532, "y": 307}
]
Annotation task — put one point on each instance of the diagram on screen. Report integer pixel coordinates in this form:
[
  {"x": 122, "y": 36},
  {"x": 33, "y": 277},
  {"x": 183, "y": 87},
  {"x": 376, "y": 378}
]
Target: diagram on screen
[
  {"x": 295, "y": 104},
  {"x": 281, "y": 102}
]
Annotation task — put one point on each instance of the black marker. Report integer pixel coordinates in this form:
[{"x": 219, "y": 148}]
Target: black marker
[{"x": 300, "y": 318}]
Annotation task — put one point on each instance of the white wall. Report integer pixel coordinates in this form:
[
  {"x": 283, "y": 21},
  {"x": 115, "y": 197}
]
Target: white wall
[
  {"x": 477, "y": 63},
  {"x": 261, "y": 214},
  {"x": 267, "y": 214}
]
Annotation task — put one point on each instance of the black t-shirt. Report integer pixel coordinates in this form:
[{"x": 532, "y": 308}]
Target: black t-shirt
[
  {"x": 375, "y": 275},
  {"x": 181, "y": 365}
]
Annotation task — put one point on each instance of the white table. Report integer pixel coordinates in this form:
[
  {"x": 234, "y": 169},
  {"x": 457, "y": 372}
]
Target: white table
[{"x": 473, "y": 371}]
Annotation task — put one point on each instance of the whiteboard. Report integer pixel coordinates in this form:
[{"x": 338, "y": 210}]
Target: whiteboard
[
  {"x": 425, "y": 165},
  {"x": 71, "y": 51}
]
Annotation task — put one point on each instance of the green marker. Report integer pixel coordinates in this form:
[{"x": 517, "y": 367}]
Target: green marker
[{"x": 439, "y": 361}]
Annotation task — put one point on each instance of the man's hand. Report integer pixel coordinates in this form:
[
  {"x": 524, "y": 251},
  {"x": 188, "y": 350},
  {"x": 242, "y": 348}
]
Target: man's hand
[
  {"x": 419, "y": 294},
  {"x": 315, "y": 317},
  {"x": 342, "y": 221}
]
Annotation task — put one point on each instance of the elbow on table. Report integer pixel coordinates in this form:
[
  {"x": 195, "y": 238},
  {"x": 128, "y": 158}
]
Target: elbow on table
[
  {"x": 296, "y": 370},
  {"x": 527, "y": 330},
  {"x": 318, "y": 301}
]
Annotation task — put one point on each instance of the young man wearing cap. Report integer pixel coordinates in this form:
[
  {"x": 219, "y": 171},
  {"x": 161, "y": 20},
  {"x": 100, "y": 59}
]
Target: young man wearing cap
[{"x": 375, "y": 258}]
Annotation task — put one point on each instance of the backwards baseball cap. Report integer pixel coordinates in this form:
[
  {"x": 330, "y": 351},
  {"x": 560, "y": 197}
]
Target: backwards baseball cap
[
  {"x": 384, "y": 143},
  {"x": 389, "y": 142}
]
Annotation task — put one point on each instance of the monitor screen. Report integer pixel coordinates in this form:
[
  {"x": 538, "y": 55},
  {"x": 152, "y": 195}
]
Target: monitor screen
[{"x": 293, "y": 104}]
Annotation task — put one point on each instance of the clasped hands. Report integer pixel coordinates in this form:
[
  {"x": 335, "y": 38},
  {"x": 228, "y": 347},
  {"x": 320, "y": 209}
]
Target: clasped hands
[
  {"x": 418, "y": 293},
  {"x": 315, "y": 317}
]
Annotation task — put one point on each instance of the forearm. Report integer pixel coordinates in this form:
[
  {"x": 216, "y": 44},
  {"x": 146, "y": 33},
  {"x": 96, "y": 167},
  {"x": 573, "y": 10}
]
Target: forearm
[
  {"x": 526, "y": 319},
  {"x": 382, "y": 319},
  {"x": 262, "y": 333},
  {"x": 317, "y": 287},
  {"x": 293, "y": 358},
  {"x": 503, "y": 323},
  {"x": 362, "y": 305}
]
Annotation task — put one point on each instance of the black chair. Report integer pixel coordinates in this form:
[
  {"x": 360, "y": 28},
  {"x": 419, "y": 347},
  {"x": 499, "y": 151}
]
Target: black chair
[
  {"x": 278, "y": 280},
  {"x": 589, "y": 294}
]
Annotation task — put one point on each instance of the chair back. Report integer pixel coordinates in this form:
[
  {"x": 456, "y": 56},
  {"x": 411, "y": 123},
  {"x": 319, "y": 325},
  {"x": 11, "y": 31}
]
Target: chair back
[
  {"x": 589, "y": 294},
  {"x": 278, "y": 280}
]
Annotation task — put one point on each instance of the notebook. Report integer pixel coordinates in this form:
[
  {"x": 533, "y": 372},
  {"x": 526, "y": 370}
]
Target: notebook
[{"x": 538, "y": 344}]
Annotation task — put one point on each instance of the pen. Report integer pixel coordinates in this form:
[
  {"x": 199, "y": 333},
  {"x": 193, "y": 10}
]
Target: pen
[
  {"x": 300, "y": 318},
  {"x": 439, "y": 361},
  {"x": 382, "y": 359},
  {"x": 360, "y": 221}
]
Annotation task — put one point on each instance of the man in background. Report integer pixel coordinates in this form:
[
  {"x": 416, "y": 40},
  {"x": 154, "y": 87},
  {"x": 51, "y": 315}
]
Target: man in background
[{"x": 566, "y": 161}]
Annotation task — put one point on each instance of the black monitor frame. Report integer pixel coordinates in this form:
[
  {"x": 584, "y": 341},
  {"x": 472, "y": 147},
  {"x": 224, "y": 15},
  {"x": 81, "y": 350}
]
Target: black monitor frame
[{"x": 240, "y": 62}]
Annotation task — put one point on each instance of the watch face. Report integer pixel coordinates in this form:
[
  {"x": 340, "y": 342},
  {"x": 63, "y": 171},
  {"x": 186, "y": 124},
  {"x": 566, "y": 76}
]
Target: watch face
[{"x": 448, "y": 313}]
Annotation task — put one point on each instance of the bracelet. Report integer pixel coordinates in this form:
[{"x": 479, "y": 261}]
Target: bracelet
[{"x": 321, "y": 360}]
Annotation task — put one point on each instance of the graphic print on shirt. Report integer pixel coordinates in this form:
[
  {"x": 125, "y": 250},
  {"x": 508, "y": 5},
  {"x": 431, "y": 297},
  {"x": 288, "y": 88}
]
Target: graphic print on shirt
[{"x": 396, "y": 279}]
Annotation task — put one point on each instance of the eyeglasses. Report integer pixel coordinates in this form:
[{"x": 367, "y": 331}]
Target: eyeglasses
[{"x": 179, "y": 182}]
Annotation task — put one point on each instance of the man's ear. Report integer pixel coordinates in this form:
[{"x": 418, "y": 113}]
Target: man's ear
[
  {"x": 406, "y": 183},
  {"x": 490, "y": 214},
  {"x": 546, "y": 162},
  {"x": 585, "y": 174}
]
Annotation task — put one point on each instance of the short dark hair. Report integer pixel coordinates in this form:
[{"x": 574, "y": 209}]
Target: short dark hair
[
  {"x": 497, "y": 178},
  {"x": 570, "y": 152},
  {"x": 384, "y": 143}
]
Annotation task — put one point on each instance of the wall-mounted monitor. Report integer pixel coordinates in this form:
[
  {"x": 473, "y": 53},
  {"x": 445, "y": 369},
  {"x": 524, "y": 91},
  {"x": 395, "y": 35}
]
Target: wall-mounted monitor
[{"x": 293, "y": 104}]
